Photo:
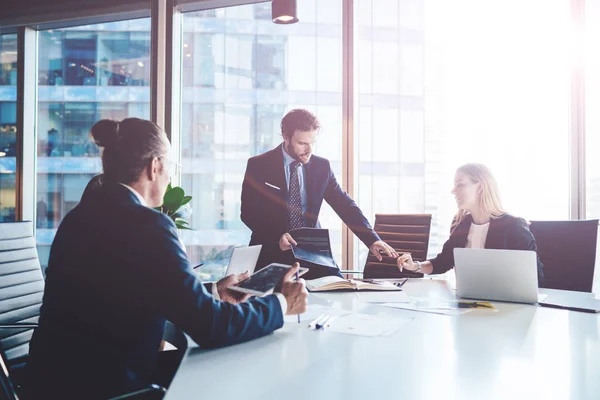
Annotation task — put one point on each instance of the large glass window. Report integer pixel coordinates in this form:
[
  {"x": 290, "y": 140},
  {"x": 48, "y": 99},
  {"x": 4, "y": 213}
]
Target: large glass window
[
  {"x": 241, "y": 74},
  {"x": 592, "y": 119},
  {"x": 86, "y": 73},
  {"x": 437, "y": 88},
  {"x": 8, "y": 126}
]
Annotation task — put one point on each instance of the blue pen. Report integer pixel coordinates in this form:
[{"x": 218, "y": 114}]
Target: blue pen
[
  {"x": 321, "y": 324},
  {"x": 297, "y": 279}
]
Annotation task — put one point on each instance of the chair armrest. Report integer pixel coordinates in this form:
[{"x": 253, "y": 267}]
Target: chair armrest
[
  {"x": 149, "y": 393},
  {"x": 19, "y": 325}
]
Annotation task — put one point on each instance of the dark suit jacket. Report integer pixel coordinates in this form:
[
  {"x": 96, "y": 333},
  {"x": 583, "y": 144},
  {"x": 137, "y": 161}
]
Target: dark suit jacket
[
  {"x": 116, "y": 272},
  {"x": 265, "y": 211},
  {"x": 504, "y": 233}
]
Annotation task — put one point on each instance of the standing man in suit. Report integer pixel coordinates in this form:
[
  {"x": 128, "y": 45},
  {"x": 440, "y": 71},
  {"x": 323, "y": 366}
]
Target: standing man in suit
[
  {"x": 284, "y": 189},
  {"x": 117, "y": 271}
]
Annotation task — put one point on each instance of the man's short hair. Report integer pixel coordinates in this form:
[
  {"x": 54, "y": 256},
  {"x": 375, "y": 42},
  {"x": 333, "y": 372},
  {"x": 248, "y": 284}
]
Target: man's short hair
[{"x": 298, "y": 119}]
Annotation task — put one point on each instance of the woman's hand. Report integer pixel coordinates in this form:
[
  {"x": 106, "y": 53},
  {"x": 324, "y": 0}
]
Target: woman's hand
[{"x": 405, "y": 261}]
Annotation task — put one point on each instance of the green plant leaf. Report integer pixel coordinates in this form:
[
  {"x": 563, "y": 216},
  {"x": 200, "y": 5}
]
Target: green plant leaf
[
  {"x": 181, "y": 221},
  {"x": 179, "y": 226},
  {"x": 186, "y": 200},
  {"x": 173, "y": 199}
]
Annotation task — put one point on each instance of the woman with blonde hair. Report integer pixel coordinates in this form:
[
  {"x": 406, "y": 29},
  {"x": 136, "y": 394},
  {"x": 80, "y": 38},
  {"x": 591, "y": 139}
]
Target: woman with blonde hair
[{"x": 480, "y": 222}]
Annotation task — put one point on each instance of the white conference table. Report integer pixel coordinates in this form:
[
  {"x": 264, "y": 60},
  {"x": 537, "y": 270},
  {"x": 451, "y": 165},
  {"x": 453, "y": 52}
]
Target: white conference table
[{"x": 518, "y": 352}]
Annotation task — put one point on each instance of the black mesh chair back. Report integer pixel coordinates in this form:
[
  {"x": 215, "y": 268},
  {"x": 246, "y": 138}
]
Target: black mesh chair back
[
  {"x": 21, "y": 287},
  {"x": 568, "y": 251}
]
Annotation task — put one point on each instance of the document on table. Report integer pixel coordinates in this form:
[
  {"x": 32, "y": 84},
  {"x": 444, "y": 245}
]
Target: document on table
[
  {"x": 367, "y": 325},
  {"x": 312, "y": 312},
  {"x": 383, "y": 297},
  {"x": 414, "y": 307}
]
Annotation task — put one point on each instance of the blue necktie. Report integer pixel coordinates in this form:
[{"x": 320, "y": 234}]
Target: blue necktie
[{"x": 294, "y": 202}]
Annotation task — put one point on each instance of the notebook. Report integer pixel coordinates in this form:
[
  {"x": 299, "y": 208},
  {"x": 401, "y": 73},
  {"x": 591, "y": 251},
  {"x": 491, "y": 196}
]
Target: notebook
[{"x": 335, "y": 283}]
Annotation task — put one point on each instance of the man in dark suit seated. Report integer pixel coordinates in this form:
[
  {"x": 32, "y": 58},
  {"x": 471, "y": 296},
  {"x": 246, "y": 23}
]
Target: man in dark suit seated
[
  {"x": 117, "y": 272},
  {"x": 284, "y": 189}
]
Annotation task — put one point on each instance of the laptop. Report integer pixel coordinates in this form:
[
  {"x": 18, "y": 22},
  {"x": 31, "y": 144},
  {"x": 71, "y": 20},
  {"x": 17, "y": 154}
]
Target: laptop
[
  {"x": 504, "y": 275},
  {"x": 243, "y": 259}
]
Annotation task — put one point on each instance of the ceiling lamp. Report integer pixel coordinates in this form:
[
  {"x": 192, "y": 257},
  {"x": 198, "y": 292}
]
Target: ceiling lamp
[{"x": 284, "y": 11}]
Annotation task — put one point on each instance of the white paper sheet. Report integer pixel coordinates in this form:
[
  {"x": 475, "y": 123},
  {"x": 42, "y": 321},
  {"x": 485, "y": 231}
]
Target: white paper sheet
[
  {"x": 383, "y": 297},
  {"x": 312, "y": 312},
  {"x": 413, "y": 307},
  {"x": 366, "y": 325}
]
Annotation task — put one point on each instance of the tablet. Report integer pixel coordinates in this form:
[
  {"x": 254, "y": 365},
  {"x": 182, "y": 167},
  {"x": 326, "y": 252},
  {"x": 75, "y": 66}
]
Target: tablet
[
  {"x": 264, "y": 281},
  {"x": 243, "y": 259}
]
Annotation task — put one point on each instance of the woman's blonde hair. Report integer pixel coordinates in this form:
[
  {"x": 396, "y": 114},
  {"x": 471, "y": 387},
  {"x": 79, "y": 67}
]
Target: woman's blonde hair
[{"x": 489, "y": 199}]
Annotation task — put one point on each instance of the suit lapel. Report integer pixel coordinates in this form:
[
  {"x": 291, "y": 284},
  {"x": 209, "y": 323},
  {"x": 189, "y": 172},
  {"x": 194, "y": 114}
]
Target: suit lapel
[
  {"x": 310, "y": 177},
  {"x": 494, "y": 236},
  {"x": 277, "y": 174}
]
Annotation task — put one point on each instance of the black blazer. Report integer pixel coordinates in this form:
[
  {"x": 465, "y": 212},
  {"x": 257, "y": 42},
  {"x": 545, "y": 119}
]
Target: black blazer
[
  {"x": 264, "y": 208},
  {"x": 116, "y": 272},
  {"x": 504, "y": 233}
]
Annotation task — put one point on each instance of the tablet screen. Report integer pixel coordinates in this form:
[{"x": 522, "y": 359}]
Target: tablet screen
[{"x": 266, "y": 279}]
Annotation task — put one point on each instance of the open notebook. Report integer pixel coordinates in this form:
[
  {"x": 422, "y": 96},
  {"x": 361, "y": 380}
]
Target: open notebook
[{"x": 330, "y": 283}]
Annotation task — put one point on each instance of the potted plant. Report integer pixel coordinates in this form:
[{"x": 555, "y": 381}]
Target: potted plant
[{"x": 176, "y": 206}]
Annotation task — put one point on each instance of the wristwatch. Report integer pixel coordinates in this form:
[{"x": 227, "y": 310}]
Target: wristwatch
[{"x": 418, "y": 266}]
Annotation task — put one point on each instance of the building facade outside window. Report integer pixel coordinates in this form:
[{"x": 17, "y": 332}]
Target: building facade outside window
[
  {"x": 241, "y": 75},
  {"x": 86, "y": 73},
  {"x": 8, "y": 126}
]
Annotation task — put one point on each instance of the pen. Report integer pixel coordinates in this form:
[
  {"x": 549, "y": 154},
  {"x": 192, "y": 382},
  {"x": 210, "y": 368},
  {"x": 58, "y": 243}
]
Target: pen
[
  {"x": 329, "y": 321},
  {"x": 400, "y": 284},
  {"x": 314, "y": 321},
  {"x": 321, "y": 324},
  {"x": 199, "y": 265},
  {"x": 585, "y": 310},
  {"x": 297, "y": 279}
]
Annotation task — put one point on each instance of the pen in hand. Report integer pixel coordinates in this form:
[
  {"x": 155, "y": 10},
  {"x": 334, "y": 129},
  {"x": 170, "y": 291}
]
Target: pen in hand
[
  {"x": 199, "y": 265},
  {"x": 297, "y": 279}
]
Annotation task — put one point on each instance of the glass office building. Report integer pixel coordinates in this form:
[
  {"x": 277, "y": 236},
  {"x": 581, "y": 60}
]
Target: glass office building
[
  {"x": 241, "y": 74},
  {"x": 8, "y": 126},
  {"x": 424, "y": 101},
  {"x": 85, "y": 74}
]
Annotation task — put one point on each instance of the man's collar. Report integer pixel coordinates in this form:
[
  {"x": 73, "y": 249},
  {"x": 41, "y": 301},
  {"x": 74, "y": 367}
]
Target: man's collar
[
  {"x": 136, "y": 194},
  {"x": 287, "y": 159}
]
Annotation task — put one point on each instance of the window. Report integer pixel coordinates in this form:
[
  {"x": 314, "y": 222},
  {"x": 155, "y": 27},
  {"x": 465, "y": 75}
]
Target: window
[
  {"x": 592, "y": 101},
  {"x": 86, "y": 73},
  {"x": 8, "y": 126},
  {"x": 241, "y": 74},
  {"x": 432, "y": 95}
]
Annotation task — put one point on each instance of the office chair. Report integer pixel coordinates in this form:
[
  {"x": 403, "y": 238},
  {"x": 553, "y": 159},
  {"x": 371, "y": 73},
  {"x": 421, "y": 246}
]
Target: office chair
[
  {"x": 568, "y": 251},
  {"x": 21, "y": 289},
  {"x": 21, "y": 292},
  {"x": 8, "y": 392},
  {"x": 406, "y": 233}
]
